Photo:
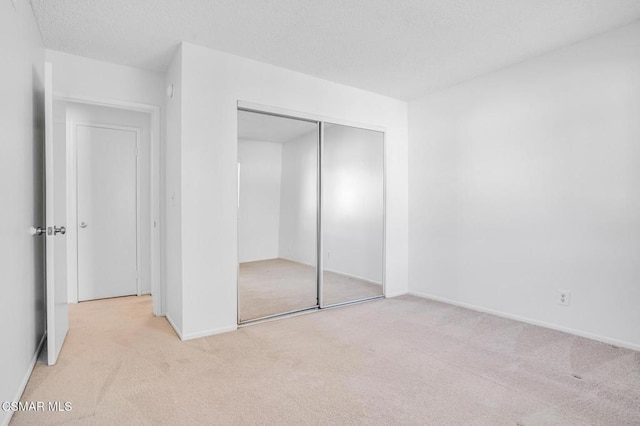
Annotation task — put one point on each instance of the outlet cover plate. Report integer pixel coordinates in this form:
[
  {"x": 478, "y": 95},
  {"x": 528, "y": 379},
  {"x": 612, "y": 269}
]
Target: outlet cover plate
[{"x": 564, "y": 297}]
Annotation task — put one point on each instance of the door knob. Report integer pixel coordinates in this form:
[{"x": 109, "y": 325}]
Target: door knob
[
  {"x": 55, "y": 230},
  {"x": 83, "y": 224}
]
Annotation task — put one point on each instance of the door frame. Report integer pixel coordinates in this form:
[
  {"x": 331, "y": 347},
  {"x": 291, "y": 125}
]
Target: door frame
[
  {"x": 157, "y": 281},
  {"x": 74, "y": 182}
]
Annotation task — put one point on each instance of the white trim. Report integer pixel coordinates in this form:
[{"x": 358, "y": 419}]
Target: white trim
[
  {"x": 174, "y": 326},
  {"x": 72, "y": 214},
  {"x": 385, "y": 170},
  {"x": 25, "y": 379},
  {"x": 597, "y": 337},
  {"x": 114, "y": 103},
  {"x": 155, "y": 169},
  {"x": 72, "y": 202},
  {"x": 306, "y": 116},
  {"x": 52, "y": 351},
  {"x": 199, "y": 334},
  {"x": 396, "y": 294},
  {"x": 108, "y": 126},
  {"x": 157, "y": 287},
  {"x": 206, "y": 333},
  {"x": 367, "y": 280},
  {"x": 311, "y": 265},
  {"x": 319, "y": 215},
  {"x": 324, "y": 270}
]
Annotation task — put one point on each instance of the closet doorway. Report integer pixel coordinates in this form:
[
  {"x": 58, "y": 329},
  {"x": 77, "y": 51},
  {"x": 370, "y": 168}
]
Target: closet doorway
[{"x": 310, "y": 215}]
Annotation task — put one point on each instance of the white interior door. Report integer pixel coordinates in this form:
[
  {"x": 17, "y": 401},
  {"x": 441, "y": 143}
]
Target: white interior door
[
  {"x": 107, "y": 212},
  {"x": 55, "y": 188}
]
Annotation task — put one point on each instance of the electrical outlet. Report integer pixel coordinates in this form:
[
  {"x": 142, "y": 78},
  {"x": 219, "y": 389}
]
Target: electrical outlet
[{"x": 564, "y": 297}]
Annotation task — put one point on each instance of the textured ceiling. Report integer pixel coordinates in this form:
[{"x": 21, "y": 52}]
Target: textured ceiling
[{"x": 400, "y": 48}]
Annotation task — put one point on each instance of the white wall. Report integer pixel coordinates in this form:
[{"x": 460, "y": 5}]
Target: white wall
[
  {"x": 22, "y": 315},
  {"x": 259, "y": 209},
  {"x": 353, "y": 202},
  {"x": 212, "y": 84},
  {"x": 173, "y": 197},
  {"x": 84, "y": 77},
  {"x": 299, "y": 200},
  {"x": 527, "y": 181}
]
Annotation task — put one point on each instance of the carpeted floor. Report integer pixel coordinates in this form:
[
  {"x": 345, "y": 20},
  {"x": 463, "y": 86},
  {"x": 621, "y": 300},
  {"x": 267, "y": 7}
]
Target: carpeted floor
[
  {"x": 393, "y": 361},
  {"x": 275, "y": 286}
]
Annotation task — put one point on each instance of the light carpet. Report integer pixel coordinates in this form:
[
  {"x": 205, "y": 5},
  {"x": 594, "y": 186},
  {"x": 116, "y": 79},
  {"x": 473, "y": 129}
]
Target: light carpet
[
  {"x": 275, "y": 286},
  {"x": 394, "y": 361}
]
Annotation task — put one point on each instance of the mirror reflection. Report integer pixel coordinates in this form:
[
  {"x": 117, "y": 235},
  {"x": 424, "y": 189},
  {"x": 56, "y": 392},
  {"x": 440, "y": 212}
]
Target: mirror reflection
[
  {"x": 277, "y": 215},
  {"x": 352, "y": 214}
]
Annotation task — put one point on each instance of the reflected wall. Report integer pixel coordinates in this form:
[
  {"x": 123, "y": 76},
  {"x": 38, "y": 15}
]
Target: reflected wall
[
  {"x": 352, "y": 213},
  {"x": 277, "y": 215}
]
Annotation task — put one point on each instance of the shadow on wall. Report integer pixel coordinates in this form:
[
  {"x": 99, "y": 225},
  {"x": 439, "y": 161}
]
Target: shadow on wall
[{"x": 38, "y": 201}]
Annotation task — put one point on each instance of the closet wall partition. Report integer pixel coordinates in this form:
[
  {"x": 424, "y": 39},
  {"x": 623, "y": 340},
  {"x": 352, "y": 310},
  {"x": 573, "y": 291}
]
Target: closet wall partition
[{"x": 310, "y": 215}]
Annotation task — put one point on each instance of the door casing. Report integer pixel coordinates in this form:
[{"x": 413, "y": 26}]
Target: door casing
[{"x": 157, "y": 283}]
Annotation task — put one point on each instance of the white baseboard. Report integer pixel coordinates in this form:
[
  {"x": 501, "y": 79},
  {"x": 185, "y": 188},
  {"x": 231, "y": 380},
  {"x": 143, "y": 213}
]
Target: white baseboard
[
  {"x": 396, "y": 294},
  {"x": 258, "y": 259},
  {"x": 209, "y": 332},
  {"x": 190, "y": 336},
  {"x": 25, "y": 380},
  {"x": 313, "y": 265},
  {"x": 357, "y": 277},
  {"x": 353, "y": 276},
  {"x": 597, "y": 337},
  {"x": 175, "y": 327}
]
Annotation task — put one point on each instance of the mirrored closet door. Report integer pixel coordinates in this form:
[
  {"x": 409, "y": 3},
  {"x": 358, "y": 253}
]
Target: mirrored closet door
[
  {"x": 352, "y": 214},
  {"x": 277, "y": 215},
  {"x": 310, "y": 215}
]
